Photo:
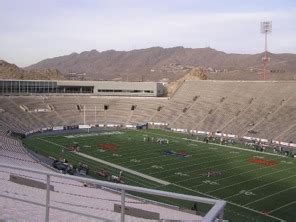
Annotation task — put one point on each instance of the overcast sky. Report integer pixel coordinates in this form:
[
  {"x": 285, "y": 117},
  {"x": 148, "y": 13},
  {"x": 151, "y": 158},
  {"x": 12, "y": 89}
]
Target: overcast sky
[{"x": 33, "y": 30}]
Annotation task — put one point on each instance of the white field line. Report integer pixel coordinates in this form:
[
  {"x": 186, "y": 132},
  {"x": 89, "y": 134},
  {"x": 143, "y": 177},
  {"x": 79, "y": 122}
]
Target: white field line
[
  {"x": 290, "y": 188},
  {"x": 161, "y": 152},
  {"x": 264, "y": 185},
  {"x": 237, "y": 148},
  {"x": 159, "y": 156},
  {"x": 161, "y": 147},
  {"x": 279, "y": 219},
  {"x": 178, "y": 169},
  {"x": 56, "y": 144},
  {"x": 124, "y": 169},
  {"x": 124, "y": 156},
  {"x": 206, "y": 162},
  {"x": 234, "y": 175},
  {"x": 147, "y": 168},
  {"x": 200, "y": 176},
  {"x": 178, "y": 163},
  {"x": 198, "y": 185},
  {"x": 232, "y": 147},
  {"x": 130, "y": 177},
  {"x": 141, "y": 152},
  {"x": 47, "y": 141},
  {"x": 194, "y": 171},
  {"x": 215, "y": 144},
  {"x": 137, "y": 152},
  {"x": 244, "y": 207},
  {"x": 234, "y": 184},
  {"x": 276, "y": 209},
  {"x": 135, "y": 179},
  {"x": 204, "y": 153}
]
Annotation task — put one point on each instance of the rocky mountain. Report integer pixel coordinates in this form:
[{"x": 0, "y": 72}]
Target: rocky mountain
[
  {"x": 194, "y": 74},
  {"x": 155, "y": 64},
  {"x": 11, "y": 71}
]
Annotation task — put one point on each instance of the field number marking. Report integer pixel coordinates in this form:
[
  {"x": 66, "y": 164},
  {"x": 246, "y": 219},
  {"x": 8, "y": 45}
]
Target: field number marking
[
  {"x": 247, "y": 193},
  {"x": 210, "y": 182},
  {"x": 181, "y": 174},
  {"x": 156, "y": 167}
]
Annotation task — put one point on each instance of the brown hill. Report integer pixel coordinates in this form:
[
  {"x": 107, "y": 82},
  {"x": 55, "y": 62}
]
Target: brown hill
[
  {"x": 154, "y": 64},
  {"x": 194, "y": 74},
  {"x": 11, "y": 71}
]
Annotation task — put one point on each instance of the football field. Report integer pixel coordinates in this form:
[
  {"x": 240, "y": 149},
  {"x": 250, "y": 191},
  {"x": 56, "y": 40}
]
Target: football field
[{"x": 257, "y": 186}]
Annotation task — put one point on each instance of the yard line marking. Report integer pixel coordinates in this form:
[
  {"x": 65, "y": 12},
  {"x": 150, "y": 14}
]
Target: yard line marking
[
  {"x": 259, "y": 168},
  {"x": 264, "y": 185},
  {"x": 152, "y": 162},
  {"x": 237, "y": 148},
  {"x": 210, "y": 167},
  {"x": 234, "y": 175},
  {"x": 161, "y": 154},
  {"x": 125, "y": 169},
  {"x": 72, "y": 154},
  {"x": 279, "y": 219},
  {"x": 215, "y": 144},
  {"x": 232, "y": 203},
  {"x": 205, "y": 153},
  {"x": 128, "y": 177},
  {"x": 188, "y": 165},
  {"x": 221, "y": 170},
  {"x": 206, "y": 162},
  {"x": 48, "y": 141},
  {"x": 249, "y": 180},
  {"x": 288, "y": 204},
  {"x": 290, "y": 188},
  {"x": 141, "y": 151},
  {"x": 174, "y": 163}
]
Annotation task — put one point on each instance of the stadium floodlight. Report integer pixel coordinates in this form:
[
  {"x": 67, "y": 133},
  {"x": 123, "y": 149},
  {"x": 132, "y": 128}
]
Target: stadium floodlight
[{"x": 265, "y": 28}]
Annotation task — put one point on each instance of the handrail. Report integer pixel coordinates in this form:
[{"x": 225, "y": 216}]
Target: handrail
[{"x": 216, "y": 211}]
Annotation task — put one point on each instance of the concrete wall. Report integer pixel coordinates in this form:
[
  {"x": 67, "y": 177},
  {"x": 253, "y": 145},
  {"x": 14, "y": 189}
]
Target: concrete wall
[
  {"x": 29, "y": 182},
  {"x": 114, "y": 88}
]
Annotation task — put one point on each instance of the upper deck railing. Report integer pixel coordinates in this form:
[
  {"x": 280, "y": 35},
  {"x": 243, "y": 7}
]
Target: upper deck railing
[{"x": 216, "y": 212}]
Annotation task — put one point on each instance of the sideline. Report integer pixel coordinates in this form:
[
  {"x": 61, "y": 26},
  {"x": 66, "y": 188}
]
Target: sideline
[
  {"x": 163, "y": 182},
  {"x": 113, "y": 165},
  {"x": 229, "y": 202},
  {"x": 124, "y": 169},
  {"x": 237, "y": 148},
  {"x": 216, "y": 144}
]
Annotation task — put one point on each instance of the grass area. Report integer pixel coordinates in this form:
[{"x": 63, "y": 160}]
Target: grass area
[{"x": 254, "y": 191}]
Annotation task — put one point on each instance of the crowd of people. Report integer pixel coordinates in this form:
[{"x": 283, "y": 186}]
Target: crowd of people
[{"x": 159, "y": 140}]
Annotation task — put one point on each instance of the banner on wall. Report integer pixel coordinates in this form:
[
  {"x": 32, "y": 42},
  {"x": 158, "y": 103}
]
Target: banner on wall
[
  {"x": 58, "y": 128},
  {"x": 84, "y": 126}
]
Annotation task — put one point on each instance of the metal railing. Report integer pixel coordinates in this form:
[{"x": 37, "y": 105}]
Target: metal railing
[{"x": 216, "y": 212}]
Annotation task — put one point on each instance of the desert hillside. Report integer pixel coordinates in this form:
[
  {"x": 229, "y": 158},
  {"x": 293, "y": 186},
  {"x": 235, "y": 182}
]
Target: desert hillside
[
  {"x": 11, "y": 71},
  {"x": 194, "y": 74},
  {"x": 156, "y": 64}
]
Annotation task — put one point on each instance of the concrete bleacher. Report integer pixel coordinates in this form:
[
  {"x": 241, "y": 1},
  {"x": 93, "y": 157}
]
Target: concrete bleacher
[
  {"x": 235, "y": 107},
  {"x": 276, "y": 123},
  {"x": 145, "y": 110},
  {"x": 75, "y": 197},
  {"x": 18, "y": 118},
  {"x": 257, "y": 109},
  {"x": 268, "y": 108},
  {"x": 65, "y": 107},
  {"x": 67, "y": 194}
]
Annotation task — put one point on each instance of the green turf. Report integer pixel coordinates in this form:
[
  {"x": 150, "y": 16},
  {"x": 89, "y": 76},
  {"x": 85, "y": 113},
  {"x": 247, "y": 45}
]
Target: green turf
[{"x": 241, "y": 183}]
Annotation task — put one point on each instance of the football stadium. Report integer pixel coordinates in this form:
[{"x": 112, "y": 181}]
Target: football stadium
[
  {"x": 219, "y": 140},
  {"x": 148, "y": 111}
]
